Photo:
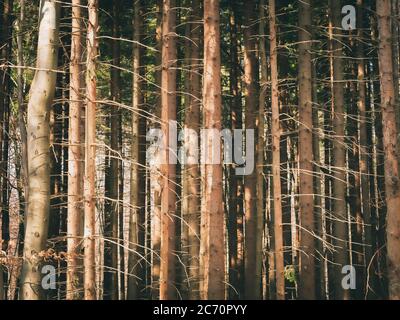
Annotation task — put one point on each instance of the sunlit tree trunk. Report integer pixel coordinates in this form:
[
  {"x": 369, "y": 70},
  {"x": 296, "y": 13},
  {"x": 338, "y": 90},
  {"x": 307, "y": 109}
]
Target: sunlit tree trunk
[
  {"x": 41, "y": 98},
  {"x": 75, "y": 205},
  {"x": 168, "y": 168},
  {"x": 90, "y": 154},
  {"x": 212, "y": 255}
]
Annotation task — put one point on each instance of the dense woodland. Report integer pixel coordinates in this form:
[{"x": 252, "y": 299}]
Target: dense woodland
[{"x": 91, "y": 207}]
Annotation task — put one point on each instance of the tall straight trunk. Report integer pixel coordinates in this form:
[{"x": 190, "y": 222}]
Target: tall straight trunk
[
  {"x": 385, "y": 56},
  {"x": 235, "y": 216},
  {"x": 212, "y": 255},
  {"x": 168, "y": 168},
  {"x": 276, "y": 159},
  {"x": 307, "y": 245},
  {"x": 155, "y": 177},
  {"x": 339, "y": 154},
  {"x": 41, "y": 98},
  {"x": 137, "y": 217},
  {"x": 252, "y": 258},
  {"x": 90, "y": 154},
  {"x": 111, "y": 228},
  {"x": 191, "y": 172},
  {"x": 363, "y": 143},
  {"x": 75, "y": 205}
]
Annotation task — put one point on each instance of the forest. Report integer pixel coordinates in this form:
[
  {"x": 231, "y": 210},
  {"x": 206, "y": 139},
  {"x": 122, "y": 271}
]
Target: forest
[{"x": 199, "y": 150}]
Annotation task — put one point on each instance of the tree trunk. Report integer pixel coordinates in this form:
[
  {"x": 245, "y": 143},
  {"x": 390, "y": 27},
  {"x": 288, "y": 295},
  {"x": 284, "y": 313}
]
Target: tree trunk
[
  {"x": 390, "y": 147},
  {"x": 276, "y": 159},
  {"x": 307, "y": 246},
  {"x": 74, "y": 224},
  {"x": 212, "y": 255},
  {"x": 168, "y": 163},
  {"x": 252, "y": 258},
  {"x": 90, "y": 154},
  {"x": 191, "y": 171},
  {"x": 137, "y": 217},
  {"x": 41, "y": 98},
  {"x": 339, "y": 154}
]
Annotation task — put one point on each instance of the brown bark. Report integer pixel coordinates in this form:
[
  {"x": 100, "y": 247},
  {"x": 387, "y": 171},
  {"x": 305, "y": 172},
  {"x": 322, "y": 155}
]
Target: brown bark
[
  {"x": 339, "y": 154},
  {"x": 191, "y": 171},
  {"x": 252, "y": 258},
  {"x": 212, "y": 255},
  {"x": 137, "y": 216},
  {"x": 276, "y": 161},
  {"x": 90, "y": 154},
  {"x": 74, "y": 223},
  {"x": 168, "y": 168},
  {"x": 390, "y": 147},
  {"x": 307, "y": 246}
]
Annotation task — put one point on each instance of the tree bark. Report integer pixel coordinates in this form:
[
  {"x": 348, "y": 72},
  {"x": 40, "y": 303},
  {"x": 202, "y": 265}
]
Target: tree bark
[
  {"x": 137, "y": 217},
  {"x": 90, "y": 154},
  {"x": 339, "y": 154},
  {"x": 41, "y": 98},
  {"x": 385, "y": 56},
  {"x": 168, "y": 167},
  {"x": 212, "y": 255},
  {"x": 307, "y": 245}
]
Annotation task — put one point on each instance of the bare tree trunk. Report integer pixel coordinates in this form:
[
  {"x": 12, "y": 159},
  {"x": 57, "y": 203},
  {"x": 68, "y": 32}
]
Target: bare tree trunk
[
  {"x": 385, "y": 55},
  {"x": 307, "y": 245},
  {"x": 137, "y": 217},
  {"x": 168, "y": 168},
  {"x": 90, "y": 154},
  {"x": 75, "y": 205},
  {"x": 252, "y": 258},
  {"x": 276, "y": 159},
  {"x": 41, "y": 98},
  {"x": 212, "y": 255},
  {"x": 339, "y": 154},
  {"x": 191, "y": 172}
]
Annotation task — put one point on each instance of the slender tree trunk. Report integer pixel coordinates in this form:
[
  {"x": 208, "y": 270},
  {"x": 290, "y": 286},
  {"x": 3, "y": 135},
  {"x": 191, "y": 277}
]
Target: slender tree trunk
[
  {"x": 155, "y": 177},
  {"x": 339, "y": 154},
  {"x": 191, "y": 172},
  {"x": 41, "y": 98},
  {"x": 75, "y": 205},
  {"x": 276, "y": 160},
  {"x": 307, "y": 245},
  {"x": 137, "y": 217},
  {"x": 390, "y": 149},
  {"x": 168, "y": 167},
  {"x": 252, "y": 258},
  {"x": 90, "y": 154},
  {"x": 212, "y": 255}
]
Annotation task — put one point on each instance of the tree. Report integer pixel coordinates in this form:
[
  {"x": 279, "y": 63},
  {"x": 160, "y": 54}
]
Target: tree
[
  {"x": 90, "y": 153},
  {"x": 307, "y": 263},
  {"x": 74, "y": 225},
  {"x": 168, "y": 167},
  {"x": 137, "y": 216},
  {"x": 252, "y": 257},
  {"x": 191, "y": 171},
  {"x": 339, "y": 153},
  {"x": 390, "y": 146},
  {"x": 212, "y": 255},
  {"x": 276, "y": 161},
  {"x": 38, "y": 129}
]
